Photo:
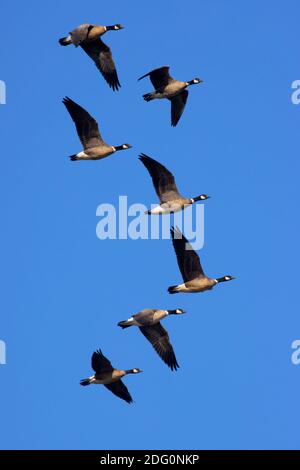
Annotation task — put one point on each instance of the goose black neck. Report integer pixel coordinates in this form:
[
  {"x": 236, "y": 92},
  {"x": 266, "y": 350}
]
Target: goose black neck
[
  {"x": 119, "y": 147},
  {"x": 172, "y": 312},
  {"x": 222, "y": 279},
  {"x": 191, "y": 82},
  {"x": 114, "y": 27},
  {"x": 129, "y": 371},
  {"x": 197, "y": 198}
]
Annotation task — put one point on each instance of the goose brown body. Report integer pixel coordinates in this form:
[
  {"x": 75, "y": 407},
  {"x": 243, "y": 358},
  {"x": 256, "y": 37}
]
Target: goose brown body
[
  {"x": 86, "y": 33},
  {"x": 164, "y": 184},
  {"x": 88, "y": 37},
  {"x": 169, "y": 88},
  {"x": 148, "y": 321},
  {"x": 190, "y": 267},
  {"x": 94, "y": 147},
  {"x": 107, "y": 375}
]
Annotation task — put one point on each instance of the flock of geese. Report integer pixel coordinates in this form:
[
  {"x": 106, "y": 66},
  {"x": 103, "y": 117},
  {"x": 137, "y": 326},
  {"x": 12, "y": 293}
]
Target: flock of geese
[{"x": 88, "y": 37}]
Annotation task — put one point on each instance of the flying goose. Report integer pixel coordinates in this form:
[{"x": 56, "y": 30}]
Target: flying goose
[
  {"x": 94, "y": 147},
  {"x": 164, "y": 183},
  {"x": 148, "y": 321},
  {"x": 167, "y": 87},
  {"x": 108, "y": 376},
  {"x": 190, "y": 267},
  {"x": 87, "y": 36}
]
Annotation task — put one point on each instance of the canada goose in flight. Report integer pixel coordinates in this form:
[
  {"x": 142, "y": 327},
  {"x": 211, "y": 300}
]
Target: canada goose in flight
[
  {"x": 94, "y": 147},
  {"x": 190, "y": 267},
  {"x": 87, "y": 36},
  {"x": 148, "y": 321},
  {"x": 108, "y": 376},
  {"x": 167, "y": 87},
  {"x": 164, "y": 183}
]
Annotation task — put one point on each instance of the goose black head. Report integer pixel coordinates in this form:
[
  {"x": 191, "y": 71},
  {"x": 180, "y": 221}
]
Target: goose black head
[
  {"x": 195, "y": 81},
  {"x": 178, "y": 311},
  {"x": 225, "y": 278},
  {"x": 114, "y": 27},
  {"x": 122, "y": 147},
  {"x": 202, "y": 197}
]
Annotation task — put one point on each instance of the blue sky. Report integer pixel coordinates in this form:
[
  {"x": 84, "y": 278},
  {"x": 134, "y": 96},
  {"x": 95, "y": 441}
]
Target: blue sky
[{"x": 64, "y": 290}]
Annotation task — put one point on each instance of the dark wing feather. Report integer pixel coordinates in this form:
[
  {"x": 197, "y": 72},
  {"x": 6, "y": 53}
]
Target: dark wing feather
[
  {"x": 101, "y": 54},
  {"x": 159, "y": 77},
  {"x": 188, "y": 260},
  {"x": 177, "y": 106},
  {"x": 100, "y": 363},
  {"x": 86, "y": 126},
  {"x": 163, "y": 180},
  {"x": 159, "y": 339},
  {"x": 120, "y": 390}
]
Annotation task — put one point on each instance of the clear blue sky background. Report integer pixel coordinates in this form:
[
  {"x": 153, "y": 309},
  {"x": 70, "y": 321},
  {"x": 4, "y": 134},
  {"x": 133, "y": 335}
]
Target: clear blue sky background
[{"x": 64, "y": 290}]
